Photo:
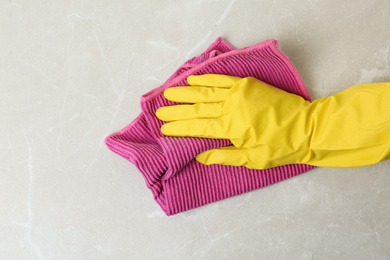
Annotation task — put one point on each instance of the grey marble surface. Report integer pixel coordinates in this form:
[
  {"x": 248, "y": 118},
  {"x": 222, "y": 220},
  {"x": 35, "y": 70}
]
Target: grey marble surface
[{"x": 72, "y": 72}]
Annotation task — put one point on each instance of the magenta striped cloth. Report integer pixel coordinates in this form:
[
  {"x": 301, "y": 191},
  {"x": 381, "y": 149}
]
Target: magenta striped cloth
[{"x": 177, "y": 180}]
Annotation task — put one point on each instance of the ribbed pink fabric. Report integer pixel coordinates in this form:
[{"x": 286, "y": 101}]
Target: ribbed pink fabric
[{"x": 177, "y": 180}]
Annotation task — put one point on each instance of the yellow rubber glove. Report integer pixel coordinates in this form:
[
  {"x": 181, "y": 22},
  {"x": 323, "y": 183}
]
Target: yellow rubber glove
[{"x": 270, "y": 127}]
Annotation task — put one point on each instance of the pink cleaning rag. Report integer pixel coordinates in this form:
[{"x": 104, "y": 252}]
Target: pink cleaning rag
[{"x": 177, "y": 180}]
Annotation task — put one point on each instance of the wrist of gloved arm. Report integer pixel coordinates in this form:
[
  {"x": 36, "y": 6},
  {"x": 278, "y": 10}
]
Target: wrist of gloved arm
[{"x": 351, "y": 128}]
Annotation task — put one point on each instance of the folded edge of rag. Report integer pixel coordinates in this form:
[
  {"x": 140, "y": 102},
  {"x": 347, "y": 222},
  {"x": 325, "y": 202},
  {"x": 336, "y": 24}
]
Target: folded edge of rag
[{"x": 178, "y": 182}]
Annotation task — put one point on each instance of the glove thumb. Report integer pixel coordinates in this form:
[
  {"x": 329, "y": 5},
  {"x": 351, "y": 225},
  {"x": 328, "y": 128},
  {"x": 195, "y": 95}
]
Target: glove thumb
[{"x": 228, "y": 155}]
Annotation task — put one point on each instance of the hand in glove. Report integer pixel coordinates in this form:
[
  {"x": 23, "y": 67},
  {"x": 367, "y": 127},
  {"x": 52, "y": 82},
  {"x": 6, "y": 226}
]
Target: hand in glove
[{"x": 269, "y": 127}]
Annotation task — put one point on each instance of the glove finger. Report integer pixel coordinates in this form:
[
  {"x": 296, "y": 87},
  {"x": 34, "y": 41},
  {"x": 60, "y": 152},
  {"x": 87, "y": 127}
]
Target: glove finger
[
  {"x": 213, "y": 80},
  {"x": 207, "y": 128},
  {"x": 184, "y": 112},
  {"x": 196, "y": 94}
]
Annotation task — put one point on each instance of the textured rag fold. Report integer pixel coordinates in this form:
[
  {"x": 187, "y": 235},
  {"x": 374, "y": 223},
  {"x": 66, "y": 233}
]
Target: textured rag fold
[{"x": 168, "y": 164}]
